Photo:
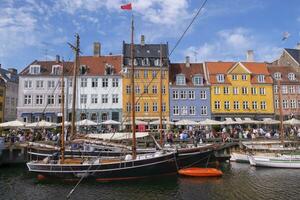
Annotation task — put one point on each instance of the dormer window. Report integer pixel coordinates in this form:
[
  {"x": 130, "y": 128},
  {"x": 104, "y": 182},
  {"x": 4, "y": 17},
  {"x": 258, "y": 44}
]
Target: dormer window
[
  {"x": 291, "y": 76},
  {"x": 157, "y": 62},
  {"x": 135, "y": 62},
  {"x": 35, "y": 69},
  {"x": 198, "y": 80},
  {"x": 83, "y": 69},
  {"x": 109, "y": 69},
  {"x": 56, "y": 69},
  {"x": 261, "y": 78},
  {"x": 145, "y": 62},
  {"x": 277, "y": 75},
  {"x": 220, "y": 78},
  {"x": 180, "y": 80}
]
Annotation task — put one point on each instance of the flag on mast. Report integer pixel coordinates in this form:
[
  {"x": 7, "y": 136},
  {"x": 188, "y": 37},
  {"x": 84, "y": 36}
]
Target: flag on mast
[{"x": 126, "y": 6}]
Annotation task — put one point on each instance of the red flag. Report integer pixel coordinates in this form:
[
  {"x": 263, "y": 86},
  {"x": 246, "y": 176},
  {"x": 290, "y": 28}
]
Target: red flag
[{"x": 126, "y": 6}]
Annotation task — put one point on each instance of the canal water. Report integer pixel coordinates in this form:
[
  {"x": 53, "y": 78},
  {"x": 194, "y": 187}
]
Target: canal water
[{"x": 240, "y": 181}]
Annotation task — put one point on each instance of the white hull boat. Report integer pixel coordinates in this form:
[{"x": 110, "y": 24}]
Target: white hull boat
[
  {"x": 239, "y": 157},
  {"x": 282, "y": 161}
]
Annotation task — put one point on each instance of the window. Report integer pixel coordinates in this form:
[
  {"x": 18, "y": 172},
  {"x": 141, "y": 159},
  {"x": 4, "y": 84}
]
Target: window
[
  {"x": 94, "y": 117},
  {"x": 163, "y": 74},
  {"x": 244, "y": 90},
  {"x": 163, "y": 108},
  {"x": 203, "y": 110},
  {"x": 175, "y": 110},
  {"x": 34, "y": 69},
  {"x": 83, "y": 98},
  {"x": 183, "y": 94},
  {"x": 137, "y": 89},
  {"x": 245, "y": 105},
  {"x": 191, "y": 94},
  {"x": 292, "y": 90},
  {"x": 253, "y": 91},
  {"x": 145, "y": 73},
  {"x": 56, "y": 69},
  {"x": 263, "y": 105},
  {"x": 128, "y": 89},
  {"x": 262, "y": 91},
  {"x": 184, "y": 110},
  {"x": 236, "y": 105},
  {"x": 39, "y": 99},
  {"x": 284, "y": 89},
  {"x": 192, "y": 110},
  {"x": 217, "y": 90},
  {"x": 180, "y": 80},
  {"x": 104, "y": 98},
  {"x": 275, "y": 89},
  {"x": 254, "y": 105},
  {"x": 154, "y": 89},
  {"x": 94, "y": 99},
  {"x": 70, "y": 83},
  {"x": 128, "y": 107},
  {"x": 136, "y": 74},
  {"x": 220, "y": 78},
  {"x": 104, "y": 82},
  {"x": 163, "y": 91},
  {"x": 94, "y": 82},
  {"x": 226, "y": 90},
  {"x": 154, "y": 107},
  {"x": 276, "y": 103},
  {"x": 146, "y": 89},
  {"x": 285, "y": 104},
  {"x": 234, "y": 77},
  {"x": 83, "y": 82},
  {"x": 244, "y": 77},
  {"x": 157, "y": 62},
  {"x": 202, "y": 94},
  {"x": 277, "y": 75},
  {"x": 217, "y": 104},
  {"x": 137, "y": 107},
  {"x": 291, "y": 77},
  {"x": 50, "y": 100},
  {"x": 59, "y": 99},
  {"x": 115, "y": 98},
  {"x": 145, "y": 61},
  {"x": 115, "y": 82},
  {"x": 235, "y": 90},
  {"x": 27, "y": 99},
  {"x": 175, "y": 94},
  {"x": 39, "y": 84},
  {"x": 293, "y": 103},
  {"x": 261, "y": 78},
  {"x": 28, "y": 84},
  {"x": 146, "y": 107},
  {"x": 198, "y": 80},
  {"x": 226, "y": 105},
  {"x": 82, "y": 69},
  {"x": 154, "y": 73},
  {"x": 51, "y": 84}
]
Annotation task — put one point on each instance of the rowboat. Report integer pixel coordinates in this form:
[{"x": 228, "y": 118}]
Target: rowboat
[
  {"x": 200, "y": 172},
  {"x": 279, "y": 161}
]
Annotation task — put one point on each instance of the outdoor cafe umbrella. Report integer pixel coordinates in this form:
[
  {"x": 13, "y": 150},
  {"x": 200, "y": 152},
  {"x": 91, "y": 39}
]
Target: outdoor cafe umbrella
[
  {"x": 269, "y": 121},
  {"x": 41, "y": 124},
  {"x": 110, "y": 122},
  {"x": 13, "y": 124},
  {"x": 209, "y": 122},
  {"x": 85, "y": 122},
  {"x": 186, "y": 122},
  {"x": 137, "y": 122},
  {"x": 292, "y": 121},
  {"x": 67, "y": 123},
  {"x": 251, "y": 121},
  {"x": 157, "y": 122}
]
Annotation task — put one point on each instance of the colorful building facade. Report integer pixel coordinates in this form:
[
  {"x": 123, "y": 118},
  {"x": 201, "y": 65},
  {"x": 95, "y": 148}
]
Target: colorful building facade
[
  {"x": 240, "y": 89},
  {"x": 189, "y": 92},
  {"x": 2, "y": 99}
]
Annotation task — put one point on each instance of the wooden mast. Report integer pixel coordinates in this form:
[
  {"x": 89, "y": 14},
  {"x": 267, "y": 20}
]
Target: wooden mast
[
  {"x": 160, "y": 100},
  {"x": 62, "y": 136},
  {"x": 75, "y": 68},
  {"x": 280, "y": 112},
  {"x": 132, "y": 92}
]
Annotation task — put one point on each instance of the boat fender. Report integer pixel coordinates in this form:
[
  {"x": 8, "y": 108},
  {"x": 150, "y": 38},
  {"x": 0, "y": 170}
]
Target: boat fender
[{"x": 128, "y": 157}]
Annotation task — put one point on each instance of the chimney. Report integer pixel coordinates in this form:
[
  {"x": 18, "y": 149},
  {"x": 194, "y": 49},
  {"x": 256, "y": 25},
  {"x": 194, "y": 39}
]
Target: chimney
[
  {"x": 13, "y": 70},
  {"x": 97, "y": 49},
  {"x": 187, "y": 61},
  {"x": 142, "y": 40},
  {"x": 250, "y": 56},
  {"x": 57, "y": 60},
  {"x": 298, "y": 46}
]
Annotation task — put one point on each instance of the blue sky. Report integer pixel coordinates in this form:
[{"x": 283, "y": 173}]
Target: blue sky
[{"x": 36, "y": 29}]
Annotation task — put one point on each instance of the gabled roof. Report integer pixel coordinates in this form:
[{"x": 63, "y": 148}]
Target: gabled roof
[
  {"x": 146, "y": 51},
  {"x": 285, "y": 70},
  {"x": 188, "y": 72},
  {"x": 9, "y": 76},
  {"x": 294, "y": 53},
  {"x": 236, "y": 65}
]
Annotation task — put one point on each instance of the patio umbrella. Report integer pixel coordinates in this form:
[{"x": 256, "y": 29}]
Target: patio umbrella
[
  {"x": 186, "y": 122},
  {"x": 41, "y": 124},
  {"x": 268, "y": 121},
  {"x": 229, "y": 121},
  {"x": 209, "y": 122},
  {"x": 13, "y": 124},
  {"x": 137, "y": 122},
  {"x": 251, "y": 121},
  {"x": 67, "y": 123},
  {"x": 157, "y": 122},
  {"x": 86, "y": 122},
  {"x": 110, "y": 122},
  {"x": 292, "y": 121}
]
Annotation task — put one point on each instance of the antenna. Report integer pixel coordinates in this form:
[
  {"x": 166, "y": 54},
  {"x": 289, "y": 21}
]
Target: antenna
[{"x": 195, "y": 55}]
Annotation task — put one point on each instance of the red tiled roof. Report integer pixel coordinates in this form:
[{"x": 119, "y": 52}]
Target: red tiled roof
[
  {"x": 285, "y": 70},
  {"x": 189, "y": 72}
]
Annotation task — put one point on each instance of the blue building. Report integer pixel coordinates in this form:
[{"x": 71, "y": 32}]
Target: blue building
[{"x": 189, "y": 92}]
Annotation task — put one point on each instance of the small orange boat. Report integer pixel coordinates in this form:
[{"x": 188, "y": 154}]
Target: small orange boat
[{"x": 200, "y": 172}]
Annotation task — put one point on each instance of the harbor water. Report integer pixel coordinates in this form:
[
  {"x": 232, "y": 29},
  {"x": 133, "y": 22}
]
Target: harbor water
[{"x": 240, "y": 181}]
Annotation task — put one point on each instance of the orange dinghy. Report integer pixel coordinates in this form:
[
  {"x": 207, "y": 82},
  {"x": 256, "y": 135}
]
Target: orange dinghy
[{"x": 200, "y": 172}]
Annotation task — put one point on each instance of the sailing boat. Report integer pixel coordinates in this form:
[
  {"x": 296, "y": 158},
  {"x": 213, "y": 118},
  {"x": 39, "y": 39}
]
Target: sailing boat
[{"x": 277, "y": 160}]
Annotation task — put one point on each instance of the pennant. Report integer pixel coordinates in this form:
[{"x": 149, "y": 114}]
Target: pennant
[{"x": 126, "y": 7}]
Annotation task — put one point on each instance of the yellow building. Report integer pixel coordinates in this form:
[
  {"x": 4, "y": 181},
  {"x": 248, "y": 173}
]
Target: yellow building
[
  {"x": 2, "y": 99},
  {"x": 147, "y": 82},
  {"x": 240, "y": 89}
]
